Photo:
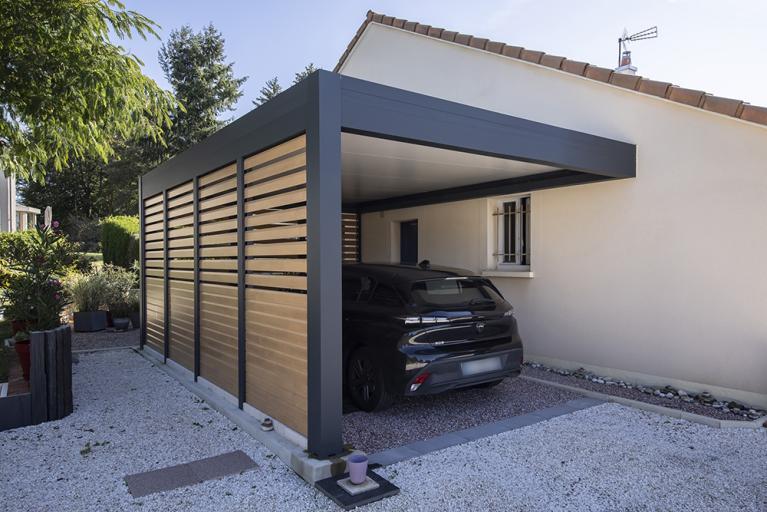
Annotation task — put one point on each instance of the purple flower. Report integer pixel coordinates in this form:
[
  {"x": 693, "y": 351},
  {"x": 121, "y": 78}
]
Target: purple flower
[
  {"x": 55, "y": 224},
  {"x": 56, "y": 296}
]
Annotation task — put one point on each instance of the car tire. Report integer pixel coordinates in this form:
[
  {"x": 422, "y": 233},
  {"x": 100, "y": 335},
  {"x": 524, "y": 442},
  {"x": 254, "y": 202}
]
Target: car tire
[{"x": 365, "y": 382}]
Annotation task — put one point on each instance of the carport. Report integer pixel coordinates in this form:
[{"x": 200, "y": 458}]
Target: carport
[{"x": 242, "y": 238}]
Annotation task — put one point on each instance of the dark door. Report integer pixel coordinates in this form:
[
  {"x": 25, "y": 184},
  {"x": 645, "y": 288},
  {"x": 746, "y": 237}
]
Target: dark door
[{"x": 408, "y": 242}]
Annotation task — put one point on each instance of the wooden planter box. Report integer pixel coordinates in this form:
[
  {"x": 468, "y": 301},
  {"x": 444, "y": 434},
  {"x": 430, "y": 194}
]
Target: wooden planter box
[{"x": 50, "y": 382}]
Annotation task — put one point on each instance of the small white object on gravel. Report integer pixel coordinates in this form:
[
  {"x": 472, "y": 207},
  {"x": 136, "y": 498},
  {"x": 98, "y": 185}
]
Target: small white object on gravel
[{"x": 131, "y": 417}]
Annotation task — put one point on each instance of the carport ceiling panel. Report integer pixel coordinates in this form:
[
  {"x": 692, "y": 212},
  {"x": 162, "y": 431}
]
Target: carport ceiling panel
[{"x": 375, "y": 168}]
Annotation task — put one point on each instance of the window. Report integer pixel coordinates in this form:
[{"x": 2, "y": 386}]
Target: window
[
  {"x": 386, "y": 296},
  {"x": 513, "y": 233},
  {"x": 356, "y": 289}
]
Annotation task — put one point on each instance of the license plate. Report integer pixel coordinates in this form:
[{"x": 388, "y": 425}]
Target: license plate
[{"x": 490, "y": 364}]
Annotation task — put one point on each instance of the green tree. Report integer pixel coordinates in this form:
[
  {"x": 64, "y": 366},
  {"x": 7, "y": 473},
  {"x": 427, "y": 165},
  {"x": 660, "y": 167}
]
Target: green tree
[
  {"x": 202, "y": 81},
  {"x": 66, "y": 90},
  {"x": 270, "y": 89},
  {"x": 308, "y": 70}
]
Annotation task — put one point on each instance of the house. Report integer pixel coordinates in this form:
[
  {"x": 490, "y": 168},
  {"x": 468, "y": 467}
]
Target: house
[
  {"x": 623, "y": 218},
  {"x": 14, "y": 216}
]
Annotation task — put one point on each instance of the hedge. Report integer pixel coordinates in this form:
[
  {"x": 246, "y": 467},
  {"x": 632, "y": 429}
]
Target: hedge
[{"x": 119, "y": 240}]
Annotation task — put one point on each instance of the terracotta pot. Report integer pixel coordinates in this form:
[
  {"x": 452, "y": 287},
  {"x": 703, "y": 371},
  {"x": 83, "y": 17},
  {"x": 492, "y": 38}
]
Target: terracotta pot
[
  {"x": 22, "y": 350},
  {"x": 18, "y": 325}
]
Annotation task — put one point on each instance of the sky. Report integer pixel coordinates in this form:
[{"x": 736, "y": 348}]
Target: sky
[{"x": 717, "y": 46}]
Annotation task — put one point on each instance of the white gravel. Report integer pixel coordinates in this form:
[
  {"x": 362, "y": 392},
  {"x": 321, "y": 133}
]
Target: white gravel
[{"x": 604, "y": 458}]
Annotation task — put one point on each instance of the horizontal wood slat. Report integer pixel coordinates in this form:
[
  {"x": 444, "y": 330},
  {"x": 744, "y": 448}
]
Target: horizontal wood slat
[
  {"x": 295, "y": 179},
  {"x": 296, "y": 144},
  {"x": 276, "y": 201},
  {"x": 278, "y": 233},
  {"x": 290, "y": 164},
  {"x": 216, "y": 175},
  {"x": 218, "y": 352},
  {"x": 180, "y": 189},
  {"x": 288, "y": 215}
]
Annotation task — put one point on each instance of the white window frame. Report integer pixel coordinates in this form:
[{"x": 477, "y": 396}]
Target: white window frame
[{"x": 520, "y": 260}]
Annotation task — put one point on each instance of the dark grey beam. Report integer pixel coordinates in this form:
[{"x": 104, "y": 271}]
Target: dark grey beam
[
  {"x": 378, "y": 110},
  {"x": 323, "y": 182},
  {"x": 165, "y": 279},
  {"x": 142, "y": 266},
  {"x": 240, "y": 282},
  {"x": 196, "y": 256},
  {"x": 540, "y": 181}
]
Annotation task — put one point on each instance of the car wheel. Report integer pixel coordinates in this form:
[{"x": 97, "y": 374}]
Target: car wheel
[
  {"x": 491, "y": 384},
  {"x": 365, "y": 382}
]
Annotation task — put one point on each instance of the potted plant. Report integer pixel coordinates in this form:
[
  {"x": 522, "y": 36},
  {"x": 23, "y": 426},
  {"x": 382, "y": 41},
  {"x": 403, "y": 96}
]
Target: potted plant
[
  {"x": 87, "y": 292},
  {"x": 21, "y": 344},
  {"x": 134, "y": 305},
  {"x": 118, "y": 283}
]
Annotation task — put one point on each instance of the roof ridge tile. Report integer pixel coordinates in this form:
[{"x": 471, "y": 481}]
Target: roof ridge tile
[{"x": 692, "y": 97}]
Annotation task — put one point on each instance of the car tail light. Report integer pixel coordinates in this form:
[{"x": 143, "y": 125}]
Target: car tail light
[{"x": 420, "y": 379}]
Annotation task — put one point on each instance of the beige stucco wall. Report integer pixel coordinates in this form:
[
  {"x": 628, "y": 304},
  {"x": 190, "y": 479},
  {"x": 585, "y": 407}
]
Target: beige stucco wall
[{"x": 661, "y": 278}]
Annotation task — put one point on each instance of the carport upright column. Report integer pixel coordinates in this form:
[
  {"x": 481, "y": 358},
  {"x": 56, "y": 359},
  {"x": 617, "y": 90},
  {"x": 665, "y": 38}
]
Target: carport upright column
[
  {"x": 323, "y": 183},
  {"x": 142, "y": 264}
]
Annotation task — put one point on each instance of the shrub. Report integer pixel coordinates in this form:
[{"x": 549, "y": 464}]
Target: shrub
[
  {"x": 106, "y": 288},
  {"x": 118, "y": 283},
  {"x": 32, "y": 264},
  {"x": 119, "y": 240},
  {"x": 87, "y": 291}
]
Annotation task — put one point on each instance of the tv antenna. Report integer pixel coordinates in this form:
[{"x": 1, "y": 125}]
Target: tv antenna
[{"x": 648, "y": 33}]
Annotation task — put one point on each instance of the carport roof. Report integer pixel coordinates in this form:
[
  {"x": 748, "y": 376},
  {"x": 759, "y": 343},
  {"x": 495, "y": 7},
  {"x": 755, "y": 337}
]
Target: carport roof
[{"x": 728, "y": 106}]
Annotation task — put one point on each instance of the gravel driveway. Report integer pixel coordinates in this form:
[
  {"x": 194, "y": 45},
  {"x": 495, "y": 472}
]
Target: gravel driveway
[{"x": 131, "y": 417}]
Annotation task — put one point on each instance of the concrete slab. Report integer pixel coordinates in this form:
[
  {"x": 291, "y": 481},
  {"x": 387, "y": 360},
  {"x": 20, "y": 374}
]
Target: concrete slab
[{"x": 183, "y": 475}]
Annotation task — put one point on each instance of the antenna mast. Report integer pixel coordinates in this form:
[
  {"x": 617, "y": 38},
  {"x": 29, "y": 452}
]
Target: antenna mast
[{"x": 649, "y": 33}]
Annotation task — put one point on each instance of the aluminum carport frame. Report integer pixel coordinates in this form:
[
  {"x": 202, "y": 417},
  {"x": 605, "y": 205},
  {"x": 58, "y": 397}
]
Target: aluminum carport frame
[{"x": 322, "y": 107}]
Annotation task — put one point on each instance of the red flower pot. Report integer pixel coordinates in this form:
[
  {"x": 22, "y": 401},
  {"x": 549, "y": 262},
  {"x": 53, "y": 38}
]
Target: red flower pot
[{"x": 22, "y": 350}]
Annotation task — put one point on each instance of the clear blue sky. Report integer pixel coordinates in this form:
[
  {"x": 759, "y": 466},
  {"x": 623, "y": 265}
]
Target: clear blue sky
[{"x": 718, "y": 46}]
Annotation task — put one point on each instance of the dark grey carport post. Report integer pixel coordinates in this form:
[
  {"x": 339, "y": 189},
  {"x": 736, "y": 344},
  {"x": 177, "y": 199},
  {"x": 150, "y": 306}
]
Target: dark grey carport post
[{"x": 323, "y": 185}]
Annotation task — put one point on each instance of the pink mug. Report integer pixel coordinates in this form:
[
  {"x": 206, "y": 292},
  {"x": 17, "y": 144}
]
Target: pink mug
[{"x": 358, "y": 468}]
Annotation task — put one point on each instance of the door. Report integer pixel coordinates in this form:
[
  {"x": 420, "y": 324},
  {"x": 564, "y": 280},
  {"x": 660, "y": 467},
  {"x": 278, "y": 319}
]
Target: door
[{"x": 408, "y": 242}]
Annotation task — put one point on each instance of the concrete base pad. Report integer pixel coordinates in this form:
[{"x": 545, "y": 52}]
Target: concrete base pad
[
  {"x": 354, "y": 489},
  {"x": 331, "y": 488}
]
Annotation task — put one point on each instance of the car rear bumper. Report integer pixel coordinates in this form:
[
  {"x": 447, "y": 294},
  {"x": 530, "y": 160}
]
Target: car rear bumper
[{"x": 450, "y": 372}]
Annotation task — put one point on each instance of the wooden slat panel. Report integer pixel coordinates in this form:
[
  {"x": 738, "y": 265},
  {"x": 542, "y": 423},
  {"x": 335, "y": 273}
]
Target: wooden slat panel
[
  {"x": 154, "y": 209},
  {"x": 180, "y": 253},
  {"x": 217, "y": 201},
  {"x": 276, "y": 152},
  {"x": 276, "y": 201},
  {"x": 284, "y": 182},
  {"x": 157, "y": 217},
  {"x": 288, "y": 215},
  {"x": 186, "y": 220},
  {"x": 278, "y": 233},
  {"x": 277, "y": 249},
  {"x": 179, "y": 232},
  {"x": 154, "y": 254},
  {"x": 179, "y": 201},
  {"x": 222, "y": 186},
  {"x": 154, "y": 245},
  {"x": 154, "y": 263},
  {"x": 275, "y": 265},
  {"x": 154, "y": 227},
  {"x": 218, "y": 277},
  {"x": 289, "y": 164},
  {"x": 218, "y": 252},
  {"x": 216, "y": 175},
  {"x": 221, "y": 225},
  {"x": 158, "y": 235},
  {"x": 175, "y": 243},
  {"x": 155, "y": 316},
  {"x": 218, "y": 352},
  {"x": 218, "y": 213},
  {"x": 181, "y": 274},
  {"x": 276, "y": 281},
  {"x": 228, "y": 264},
  {"x": 222, "y": 238},
  {"x": 181, "y": 328},
  {"x": 180, "y": 189},
  {"x": 181, "y": 264},
  {"x": 181, "y": 210},
  {"x": 154, "y": 272},
  {"x": 149, "y": 201}
]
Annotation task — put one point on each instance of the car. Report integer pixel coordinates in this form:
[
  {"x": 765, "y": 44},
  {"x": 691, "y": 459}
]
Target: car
[{"x": 411, "y": 330}]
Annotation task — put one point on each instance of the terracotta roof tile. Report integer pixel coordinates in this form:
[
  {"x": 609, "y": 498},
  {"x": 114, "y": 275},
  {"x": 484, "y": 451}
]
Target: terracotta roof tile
[
  {"x": 462, "y": 39},
  {"x": 573, "y": 66},
  {"x": 551, "y": 61},
  {"x": 654, "y": 87},
  {"x": 754, "y": 114},
  {"x": 494, "y": 46},
  {"x": 435, "y": 32},
  {"x": 478, "y": 42},
  {"x": 727, "y": 106},
  {"x": 449, "y": 35},
  {"x": 531, "y": 56},
  {"x": 598, "y": 73},
  {"x": 512, "y": 51}
]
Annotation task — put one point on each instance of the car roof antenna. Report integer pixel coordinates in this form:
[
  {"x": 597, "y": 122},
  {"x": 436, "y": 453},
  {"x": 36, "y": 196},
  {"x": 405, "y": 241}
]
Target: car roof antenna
[{"x": 425, "y": 264}]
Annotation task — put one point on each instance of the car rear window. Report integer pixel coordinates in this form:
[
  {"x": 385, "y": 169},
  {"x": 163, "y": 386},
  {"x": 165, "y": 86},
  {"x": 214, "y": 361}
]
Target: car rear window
[{"x": 453, "y": 292}]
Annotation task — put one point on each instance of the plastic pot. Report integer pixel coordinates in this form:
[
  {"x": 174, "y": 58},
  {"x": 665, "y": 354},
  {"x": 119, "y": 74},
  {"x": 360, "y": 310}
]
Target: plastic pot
[{"x": 358, "y": 468}]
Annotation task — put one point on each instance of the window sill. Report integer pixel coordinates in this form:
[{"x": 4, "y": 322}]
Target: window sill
[{"x": 526, "y": 274}]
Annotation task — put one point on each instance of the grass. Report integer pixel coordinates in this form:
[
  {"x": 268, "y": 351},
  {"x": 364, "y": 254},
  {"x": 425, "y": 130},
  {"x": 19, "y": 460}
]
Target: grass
[{"x": 95, "y": 258}]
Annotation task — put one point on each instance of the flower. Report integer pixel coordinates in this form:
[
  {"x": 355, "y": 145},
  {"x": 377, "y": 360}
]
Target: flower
[
  {"x": 56, "y": 296},
  {"x": 55, "y": 224}
]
